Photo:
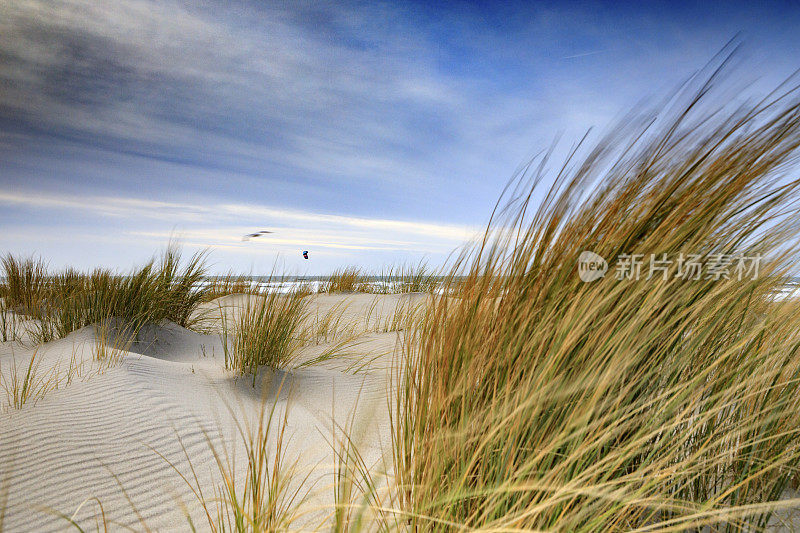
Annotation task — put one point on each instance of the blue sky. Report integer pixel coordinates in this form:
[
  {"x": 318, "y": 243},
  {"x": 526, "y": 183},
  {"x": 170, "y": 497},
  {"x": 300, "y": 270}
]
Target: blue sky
[{"x": 366, "y": 133}]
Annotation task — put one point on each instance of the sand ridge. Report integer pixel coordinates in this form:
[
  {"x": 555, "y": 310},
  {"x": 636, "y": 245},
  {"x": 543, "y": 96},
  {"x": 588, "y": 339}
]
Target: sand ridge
[{"x": 108, "y": 430}]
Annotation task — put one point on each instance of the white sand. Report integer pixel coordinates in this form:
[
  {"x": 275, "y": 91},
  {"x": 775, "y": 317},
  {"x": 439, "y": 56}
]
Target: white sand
[{"x": 104, "y": 431}]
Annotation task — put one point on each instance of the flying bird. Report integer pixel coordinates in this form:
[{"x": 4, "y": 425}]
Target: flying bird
[{"x": 254, "y": 235}]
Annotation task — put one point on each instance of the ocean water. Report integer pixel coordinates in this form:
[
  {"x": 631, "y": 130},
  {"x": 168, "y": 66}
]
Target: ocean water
[
  {"x": 384, "y": 285},
  {"x": 378, "y": 284},
  {"x": 287, "y": 284}
]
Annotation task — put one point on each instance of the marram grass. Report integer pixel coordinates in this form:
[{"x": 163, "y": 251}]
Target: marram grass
[
  {"x": 264, "y": 331},
  {"x": 529, "y": 400},
  {"x": 347, "y": 279},
  {"x": 62, "y": 302},
  {"x": 265, "y": 499},
  {"x": 24, "y": 282},
  {"x": 534, "y": 401}
]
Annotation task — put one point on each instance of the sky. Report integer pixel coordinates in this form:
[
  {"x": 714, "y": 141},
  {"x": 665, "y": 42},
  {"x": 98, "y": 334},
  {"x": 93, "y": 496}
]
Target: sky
[{"x": 368, "y": 133}]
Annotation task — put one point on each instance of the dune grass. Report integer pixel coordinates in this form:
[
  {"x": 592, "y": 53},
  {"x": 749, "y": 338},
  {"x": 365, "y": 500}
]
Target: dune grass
[
  {"x": 63, "y": 302},
  {"x": 24, "y": 282},
  {"x": 230, "y": 283},
  {"x": 407, "y": 278},
  {"x": 8, "y": 322},
  {"x": 535, "y": 401},
  {"x": 26, "y": 385},
  {"x": 159, "y": 290},
  {"x": 360, "y": 501},
  {"x": 111, "y": 344},
  {"x": 269, "y": 496},
  {"x": 29, "y": 383},
  {"x": 417, "y": 278},
  {"x": 530, "y": 400},
  {"x": 404, "y": 316},
  {"x": 390, "y": 280},
  {"x": 266, "y": 499},
  {"x": 264, "y": 331},
  {"x": 347, "y": 279},
  {"x": 331, "y": 326}
]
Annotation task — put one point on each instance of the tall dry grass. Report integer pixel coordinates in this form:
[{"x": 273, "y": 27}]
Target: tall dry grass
[
  {"x": 24, "y": 282},
  {"x": 29, "y": 383},
  {"x": 347, "y": 279},
  {"x": 230, "y": 283},
  {"x": 8, "y": 322},
  {"x": 531, "y": 400},
  {"x": 26, "y": 384},
  {"x": 63, "y": 302},
  {"x": 269, "y": 496},
  {"x": 410, "y": 278},
  {"x": 264, "y": 331},
  {"x": 390, "y": 280}
]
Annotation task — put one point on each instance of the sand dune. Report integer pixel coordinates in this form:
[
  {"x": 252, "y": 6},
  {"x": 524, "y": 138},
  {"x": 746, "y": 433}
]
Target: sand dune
[{"x": 101, "y": 437}]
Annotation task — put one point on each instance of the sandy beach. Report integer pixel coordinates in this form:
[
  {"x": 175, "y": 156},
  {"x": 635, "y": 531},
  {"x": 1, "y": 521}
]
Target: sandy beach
[
  {"x": 399, "y": 267},
  {"x": 112, "y": 435}
]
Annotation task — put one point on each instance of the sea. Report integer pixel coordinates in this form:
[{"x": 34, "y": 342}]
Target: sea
[
  {"x": 287, "y": 284},
  {"x": 387, "y": 285}
]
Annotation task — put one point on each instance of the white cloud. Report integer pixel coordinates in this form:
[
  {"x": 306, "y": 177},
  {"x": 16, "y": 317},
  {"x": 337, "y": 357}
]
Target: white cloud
[
  {"x": 368, "y": 107},
  {"x": 222, "y": 225}
]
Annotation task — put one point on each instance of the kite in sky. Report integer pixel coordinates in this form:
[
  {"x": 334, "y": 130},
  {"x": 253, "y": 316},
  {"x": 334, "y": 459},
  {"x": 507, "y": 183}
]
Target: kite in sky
[
  {"x": 254, "y": 235},
  {"x": 305, "y": 254}
]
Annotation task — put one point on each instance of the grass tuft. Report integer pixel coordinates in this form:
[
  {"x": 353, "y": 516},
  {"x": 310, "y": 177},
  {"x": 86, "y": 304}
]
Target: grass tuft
[
  {"x": 66, "y": 301},
  {"x": 24, "y": 282},
  {"x": 347, "y": 279},
  {"x": 27, "y": 385},
  {"x": 265, "y": 331},
  {"x": 269, "y": 496},
  {"x": 8, "y": 322},
  {"x": 531, "y": 400},
  {"x": 230, "y": 283}
]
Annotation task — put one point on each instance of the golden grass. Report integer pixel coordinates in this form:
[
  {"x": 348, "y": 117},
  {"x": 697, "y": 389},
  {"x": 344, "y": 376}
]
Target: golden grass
[
  {"x": 361, "y": 501},
  {"x": 8, "y": 322},
  {"x": 230, "y": 283},
  {"x": 66, "y": 301},
  {"x": 26, "y": 385},
  {"x": 267, "y": 498},
  {"x": 334, "y": 326},
  {"x": 25, "y": 280},
  {"x": 265, "y": 331},
  {"x": 408, "y": 278},
  {"x": 530, "y": 400},
  {"x": 330, "y": 326},
  {"x": 405, "y": 316},
  {"x": 29, "y": 384},
  {"x": 347, "y": 279},
  {"x": 111, "y": 345},
  {"x": 390, "y": 280}
]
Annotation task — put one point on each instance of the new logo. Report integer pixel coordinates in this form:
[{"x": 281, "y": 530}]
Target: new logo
[{"x": 591, "y": 266}]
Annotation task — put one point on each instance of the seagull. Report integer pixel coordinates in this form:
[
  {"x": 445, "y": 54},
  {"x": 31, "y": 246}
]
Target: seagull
[{"x": 254, "y": 235}]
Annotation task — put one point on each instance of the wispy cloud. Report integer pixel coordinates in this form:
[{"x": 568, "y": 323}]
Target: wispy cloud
[
  {"x": 388, "y": 127},
  {"x": 222, "y": 225},
  {"x": 584, "y": 54},
  {"x": 202, "y": 87},
  {"x": 107, "y": 206}
]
